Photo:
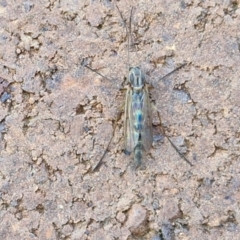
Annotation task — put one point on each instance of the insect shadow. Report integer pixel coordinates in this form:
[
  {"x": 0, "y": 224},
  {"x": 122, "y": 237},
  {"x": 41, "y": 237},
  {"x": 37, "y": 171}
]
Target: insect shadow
[{"x": 138, "y": 132}]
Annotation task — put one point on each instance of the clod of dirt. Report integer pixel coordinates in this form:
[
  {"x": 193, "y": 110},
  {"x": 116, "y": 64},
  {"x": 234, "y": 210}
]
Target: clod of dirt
[{"x": 137, "y": 220}]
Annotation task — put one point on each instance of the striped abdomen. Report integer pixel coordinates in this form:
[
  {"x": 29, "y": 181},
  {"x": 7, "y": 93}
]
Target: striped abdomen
[{"x": 137, "y": 105}]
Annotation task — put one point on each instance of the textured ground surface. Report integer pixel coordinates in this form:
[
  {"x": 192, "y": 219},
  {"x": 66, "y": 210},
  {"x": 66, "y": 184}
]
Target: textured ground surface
[{"x": 56, "y": 118}]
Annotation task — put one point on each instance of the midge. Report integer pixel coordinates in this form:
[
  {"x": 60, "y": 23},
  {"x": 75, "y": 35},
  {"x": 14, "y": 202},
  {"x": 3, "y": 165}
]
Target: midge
[
  {"x": 138, "y": 133},
  {"x": 137, "y": 117}
]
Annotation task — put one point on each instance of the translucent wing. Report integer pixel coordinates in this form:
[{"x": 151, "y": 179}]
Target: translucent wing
[
  {"x": 130, "y": 133},
  {"x": 147, "y": 133},
  {"x": 128, "y": 123}
]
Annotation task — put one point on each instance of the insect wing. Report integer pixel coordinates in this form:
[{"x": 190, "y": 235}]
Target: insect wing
[
  {"x": 147, "y": 133},
  {"x": 130, "y": 140}
]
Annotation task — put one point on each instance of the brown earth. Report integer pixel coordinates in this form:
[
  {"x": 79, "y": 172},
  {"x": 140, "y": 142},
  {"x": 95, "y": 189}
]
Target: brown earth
[{"x": 56, "y": 119}]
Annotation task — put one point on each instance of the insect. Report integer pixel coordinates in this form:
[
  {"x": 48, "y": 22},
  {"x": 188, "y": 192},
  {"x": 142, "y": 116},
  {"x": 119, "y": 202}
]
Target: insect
[
  {"x": 137, "y": 115},
  {"x": 138, "y": 131}
]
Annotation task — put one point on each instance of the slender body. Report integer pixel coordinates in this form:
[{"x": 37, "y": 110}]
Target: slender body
[{"x": 137, "y": 120}]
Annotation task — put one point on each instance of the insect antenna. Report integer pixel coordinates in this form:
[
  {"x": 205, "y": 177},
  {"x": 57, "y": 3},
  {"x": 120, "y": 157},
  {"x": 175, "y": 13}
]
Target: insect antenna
[{"x": 128, "y": 33}]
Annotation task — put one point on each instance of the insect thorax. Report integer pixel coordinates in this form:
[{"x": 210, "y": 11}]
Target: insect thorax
[{"x": 136, "y": 78}]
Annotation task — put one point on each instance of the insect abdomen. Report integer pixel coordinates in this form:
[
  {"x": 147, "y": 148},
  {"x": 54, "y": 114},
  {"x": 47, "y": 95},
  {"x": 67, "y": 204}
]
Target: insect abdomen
[
  {"x": 138, "y": 150},
  {"x": 138, "y": 126}
]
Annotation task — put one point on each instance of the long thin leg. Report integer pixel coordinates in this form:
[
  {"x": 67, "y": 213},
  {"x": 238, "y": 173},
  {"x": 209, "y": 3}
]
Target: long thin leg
[
  {"x": 96, "y": 72},
  {"x": 115, "y": 125},
  {"x": 180, "y": 154},
  {"x": 128, "y": 33},
  {"x": 95, "y": 168},
  {"x": 176, "y": 69}
]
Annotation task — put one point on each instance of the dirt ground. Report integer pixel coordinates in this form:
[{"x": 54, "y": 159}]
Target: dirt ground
[{"x": 57, "y": 117}]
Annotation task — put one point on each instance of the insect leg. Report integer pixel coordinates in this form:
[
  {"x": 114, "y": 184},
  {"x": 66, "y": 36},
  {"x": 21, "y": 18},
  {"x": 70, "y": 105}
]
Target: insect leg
[
  {"x": 96, "y": 72},
  {"x": 180, "y": 154},
  {"x": 96, "y": 167},
  {"x": 176, "y": 69}
]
